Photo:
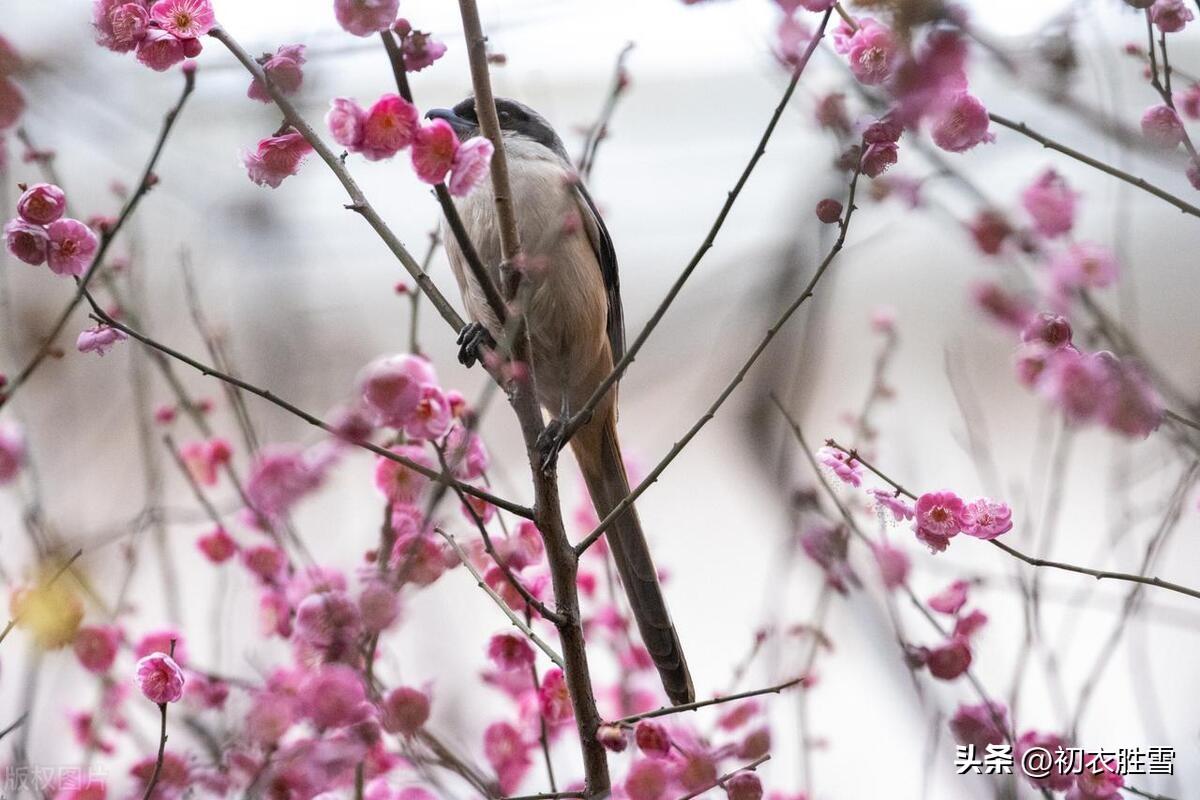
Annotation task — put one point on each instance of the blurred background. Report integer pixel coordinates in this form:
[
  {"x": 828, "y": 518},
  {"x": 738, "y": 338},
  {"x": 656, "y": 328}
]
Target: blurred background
[{"x": 304, "y": 293}]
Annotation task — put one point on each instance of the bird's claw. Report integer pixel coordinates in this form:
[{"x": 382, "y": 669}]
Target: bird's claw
[
  {"x": 472, "y": 340},
  {"x": 552, "y": 439}
]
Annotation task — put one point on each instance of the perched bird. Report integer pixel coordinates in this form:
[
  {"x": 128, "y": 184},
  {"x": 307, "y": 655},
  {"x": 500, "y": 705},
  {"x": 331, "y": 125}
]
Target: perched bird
[{"x": 576, "y": 332}]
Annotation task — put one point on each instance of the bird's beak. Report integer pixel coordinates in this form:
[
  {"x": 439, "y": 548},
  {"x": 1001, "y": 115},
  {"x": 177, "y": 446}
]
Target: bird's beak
[{"x": 463, "y": 128}]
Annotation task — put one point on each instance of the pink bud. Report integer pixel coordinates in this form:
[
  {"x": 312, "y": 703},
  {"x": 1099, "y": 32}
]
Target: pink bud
[
  {"x": 160, "y": 678},
  {"x": 27, "y": 242},
  {"x": 405, "y": 710},
  {"x": 1162, "y": 127},
  {"x": 652, "y": 739},
  {"x": 42, "y": 203},
  {"x": 829, "y": 211}
]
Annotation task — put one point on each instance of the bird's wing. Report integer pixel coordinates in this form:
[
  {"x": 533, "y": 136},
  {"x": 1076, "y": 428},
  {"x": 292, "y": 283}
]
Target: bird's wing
[{"x": 606, "y": 256}]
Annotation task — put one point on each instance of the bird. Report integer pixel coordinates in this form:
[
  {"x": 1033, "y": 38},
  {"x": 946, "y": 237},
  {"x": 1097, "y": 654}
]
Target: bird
[{"x": 576, "y": 332}]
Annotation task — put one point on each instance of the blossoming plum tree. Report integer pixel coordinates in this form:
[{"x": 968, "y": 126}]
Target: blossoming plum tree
[{"x": 328, "y": 720}]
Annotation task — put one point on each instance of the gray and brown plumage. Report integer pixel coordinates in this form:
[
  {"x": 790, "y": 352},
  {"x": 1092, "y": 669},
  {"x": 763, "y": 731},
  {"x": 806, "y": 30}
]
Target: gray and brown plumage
[{"x": 576, "y": 331}]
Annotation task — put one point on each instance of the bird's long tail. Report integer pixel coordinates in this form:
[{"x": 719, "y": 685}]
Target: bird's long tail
[{"x": 599, "y": 455}]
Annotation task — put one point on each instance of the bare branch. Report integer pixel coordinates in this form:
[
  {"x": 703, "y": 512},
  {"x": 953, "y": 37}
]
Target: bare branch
[{"x": 713, "y": 701}]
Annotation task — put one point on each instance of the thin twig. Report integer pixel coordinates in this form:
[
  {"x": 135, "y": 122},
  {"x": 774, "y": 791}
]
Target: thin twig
[
  {"x": 598, "y": 131},
  {"x": 844, "y": 226},
  {"x": 1132, "y": 180},
  {"x": 508, "y": 612},
  {"x": 101, "y": 315},
  {"x": 712, "y": 701},
  {"x": 1012, "y": 551},
  {"x": 753, "y": 765},
  {"x": 584, "y": 414},
  {"x": 106, "y": 239}
]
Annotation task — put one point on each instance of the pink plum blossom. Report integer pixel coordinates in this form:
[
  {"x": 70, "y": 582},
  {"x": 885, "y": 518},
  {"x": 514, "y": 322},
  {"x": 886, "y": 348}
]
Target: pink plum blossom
[
  {"x": 365, "y": 17},
  {"x": 1098, "y": 779},
  {"x": 276, "y": 158},
  {"x": 185, "y": 19},
  {"x": 417, "y": 48},
  {"x": 652, "y": 739},
  {"x": 120, "y": 25},
  {"x": 951, "y": 599},
  {"x": 389, "y": 126},
  {"x": 990, "y": 229},
  {"x": 950, "y": 660},
  {"x": 393, "y": 388},
  {"x": 792, "y": 37},
  {"x": 827, "y": 545},
  {"x": 510, "y": 652},
  {"x": 1084, "y": 265},
  {"x": 283, "y": 70},
  {"x": 554, "y": 700},
  {"x": 648, "y": 779},
  {"x": 405, "y": 710},
  {"x": 1162, "y": 127},
  {"x": 378, "y": 606},
  {"x": 72, "y": 245},
  {"x": 900, "y": 508},
  {"x": 217, "y": 545},
  {"x": 397, "y": 482},
  {"x": 470, "y": 166},
  {"x": 27, "y": 242},
  {"x": 508, "y": 753},
  {"x": 1075, "y": 382},
  {"x": 745, "y": 785},
  {"x": 1052, "y": 331},
  {"x": 893, "y": 565},
  {"x": 434, "y": 148},
  {"x": 1171, "y": 15},
  {"x": 846, "y": 468},
  {"x": 937, "y": 518},
  {"x": 346, "y": 121},
  {"x": 1059, "y": 778},
  {"x": 962, "y": 125},
  {"x": 1003, "y": 307},
  {"x": 879, "y": 158},
  {"x": 160, "y": 678},
  {"x": 431, "y": 419},
  {"x": 280, "y": 477},
  {"x": 986, "y": 519},
  {"x": 96, "y": 647},
  {"x": 332, "y": 696},
  {"x": 99, "y": 339},
  {"x": 42, "y": 204},
  {"x": 872, "y": 52},
  {"x": 1050, "y": 202},
  {"x": 160, "y": 50},
  {"x": 980, "y": 725}
]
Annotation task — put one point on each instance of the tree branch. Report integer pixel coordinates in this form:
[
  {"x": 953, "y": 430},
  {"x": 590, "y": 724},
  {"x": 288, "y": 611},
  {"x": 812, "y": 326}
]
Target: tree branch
[
  {"x": 584, "y": 414},
  {"x": 844, "y": 226},
  {"x": 508, "y": 612},
  {"x": 713, "y": 701},
  {"x": 106, "y": 239}
]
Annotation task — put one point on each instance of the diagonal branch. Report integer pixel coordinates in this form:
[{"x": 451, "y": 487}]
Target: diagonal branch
[
  {"x": 508, "y": 612},
  {"x": 584, "y": 414},
  {"x": 103, "y": 316},
  {"x": 713, "y": 701},
  {"x": 1132, "y": 180},
  {"x": 144, "y": 185},
  {"x": 1098, "y": 574},
  {"x": 844, "y": 226}
]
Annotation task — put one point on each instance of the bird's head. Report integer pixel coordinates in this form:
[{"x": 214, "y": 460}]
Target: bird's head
[{"x": 518, "y": 122}]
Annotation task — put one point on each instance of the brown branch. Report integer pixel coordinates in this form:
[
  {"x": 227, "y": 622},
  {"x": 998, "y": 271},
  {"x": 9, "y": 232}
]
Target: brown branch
[
  {"x": 1132, "y": 180},
  {"x": 508, "y": 612},
  {"x": 358, "y": 201},
  {"x": 584, "y": 414},
  {"x": 753, "y": 765},
  {"x": 1098, "y": 574},
  {"x": 713, "y": 701},
  {"x": 505, "y": 569},
  {"x": 844, "y": 227},
  {"x": 449, "y": 210},
  {"x": 101, "y": 315},
  {"x": 598, "y": 131},
  {"x": 560, "y": 556},
  {"x": 146, "y": 182}
]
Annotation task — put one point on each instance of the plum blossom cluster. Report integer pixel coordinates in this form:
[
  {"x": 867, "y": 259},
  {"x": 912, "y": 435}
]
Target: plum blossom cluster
[
  {"x": 1088, "y": 387},
  {"x": 41, "y": 234},
  {"x": 923, "y": 76},
  {"x": 160, "y": 34},
  {"x": 392, "y": 124}
]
